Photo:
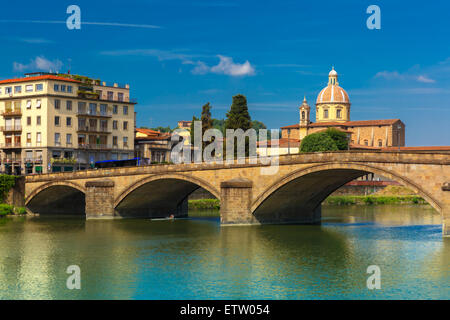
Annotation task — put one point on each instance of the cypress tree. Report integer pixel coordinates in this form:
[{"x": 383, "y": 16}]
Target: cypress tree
[{"x": 238, "y": 118}]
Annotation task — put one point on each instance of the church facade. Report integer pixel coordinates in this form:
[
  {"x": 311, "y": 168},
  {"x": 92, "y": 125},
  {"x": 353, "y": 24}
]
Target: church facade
[{"x": 333, "y": 111}]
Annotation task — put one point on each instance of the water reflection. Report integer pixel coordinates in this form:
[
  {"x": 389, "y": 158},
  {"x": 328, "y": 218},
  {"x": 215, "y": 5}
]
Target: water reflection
[{"x": 197, "y": 259}]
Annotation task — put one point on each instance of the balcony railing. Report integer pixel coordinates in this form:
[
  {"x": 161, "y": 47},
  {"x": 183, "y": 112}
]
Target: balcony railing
[
  {"x": 11, "y": 128},
  {"x": 12, "y": 145},
  {"x": 93, "y": 114},
  {"x": 12, "y": 112},
  {"x": 93, "y": 129},
  {"x": 94, "y": 146}
]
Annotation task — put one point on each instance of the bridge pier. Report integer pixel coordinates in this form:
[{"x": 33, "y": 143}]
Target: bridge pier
[
  {"x": 99, "y": 199},
  {"x": 235, "y": 202}
]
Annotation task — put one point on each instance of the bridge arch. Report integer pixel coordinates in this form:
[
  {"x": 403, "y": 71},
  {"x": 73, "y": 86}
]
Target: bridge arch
[
  {"x": 57, "y": 197},
  {"x": 317, "y": 182},
  {"x": 160, "y": 195}
]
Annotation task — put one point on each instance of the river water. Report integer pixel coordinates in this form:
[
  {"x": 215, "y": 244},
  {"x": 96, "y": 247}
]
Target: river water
[{"x": 197, "y": 259}]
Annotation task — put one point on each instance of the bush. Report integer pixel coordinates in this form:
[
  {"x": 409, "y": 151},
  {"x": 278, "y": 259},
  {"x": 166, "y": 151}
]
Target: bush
[
  {"x": 6, "y": 183},
  {"x": 318, "y": 142},
  {"x": 20, "y": 210},
  {"x": 204, "y": 204},
  {"x": 5, "y": 209},
  {"x": 339, "y": 138}
]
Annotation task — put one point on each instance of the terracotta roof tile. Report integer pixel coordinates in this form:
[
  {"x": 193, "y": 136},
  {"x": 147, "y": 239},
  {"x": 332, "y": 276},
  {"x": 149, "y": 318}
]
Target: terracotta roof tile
[{"x": 43, "y": 77}]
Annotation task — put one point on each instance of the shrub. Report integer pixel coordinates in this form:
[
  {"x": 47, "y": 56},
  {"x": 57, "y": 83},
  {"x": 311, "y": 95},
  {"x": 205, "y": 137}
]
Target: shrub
[
  {"x": 339, "y": 138},
  {"x": 318, "y": 142},
  {"x": 6, "y": 183},
  {"x": 5, "y": 209},
  {"x": 20, "y": 210}
]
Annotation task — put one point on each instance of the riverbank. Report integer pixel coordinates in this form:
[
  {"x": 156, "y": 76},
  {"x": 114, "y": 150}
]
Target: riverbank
[
  {"x": 214, "y": 204},
  {"x": 7, "y": 209}
]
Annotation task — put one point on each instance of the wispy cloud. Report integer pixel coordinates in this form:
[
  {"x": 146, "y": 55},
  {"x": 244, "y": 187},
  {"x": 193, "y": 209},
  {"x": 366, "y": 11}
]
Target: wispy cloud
[
  {"x": 225, "y": 66},
  {"x": 38, "y": 63},
  {"x": 425, "y": 79},
  {"x": 35, "y": 40},
  {"x": 107, "y": 24}
]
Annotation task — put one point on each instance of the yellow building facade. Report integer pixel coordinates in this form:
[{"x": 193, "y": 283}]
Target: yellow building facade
[{"x": 63, "y": 122}]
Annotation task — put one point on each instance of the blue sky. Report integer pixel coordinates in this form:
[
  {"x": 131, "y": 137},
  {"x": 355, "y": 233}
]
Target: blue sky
[{"x": 178, "y": 55}]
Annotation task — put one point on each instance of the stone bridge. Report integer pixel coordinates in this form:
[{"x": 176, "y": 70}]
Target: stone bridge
[{"x": 248, "y": 196}]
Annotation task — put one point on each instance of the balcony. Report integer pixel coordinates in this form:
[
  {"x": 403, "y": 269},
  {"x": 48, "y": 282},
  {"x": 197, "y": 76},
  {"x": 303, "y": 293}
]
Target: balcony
[
  {"x": 14, "y": 128},
  {"x": 90, "y": 129},
  {"x": 88, "y": 113},
  {"x": 11, "y": 160},
  {"x": 88, "y": 146},
  {"x": 12, "y": 112},
  {"x": 11, "y": 145}
]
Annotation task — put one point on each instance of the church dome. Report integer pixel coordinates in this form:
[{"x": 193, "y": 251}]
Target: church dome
[{"x": 332, "y": 93}]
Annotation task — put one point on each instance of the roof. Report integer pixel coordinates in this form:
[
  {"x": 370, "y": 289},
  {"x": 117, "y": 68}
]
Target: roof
[
  {"x": 147, "y": 131},
  {"x": 281, "y": 143},
  {"x": 37, "y": 78},
  {"x": 419, "y": 148},
  {"x": 359, "y": 123},
  {"x": 332, "y": 93}
]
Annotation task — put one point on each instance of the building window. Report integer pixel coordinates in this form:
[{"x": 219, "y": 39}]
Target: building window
[
  {"x": 115, "y": 124},
  {"x": 338, "y": 113},
  {"x": 125, "y": 110},
  {"x": 366, "y": 142},
  {"x": 69, "y": 138},
  {"x": 115, "y": 109},
  {"x": 69, "y": 121},
  {"x": 69, "y": 89},
  {"x": 28, "y": 104},
  {"x": 82, "y": 107},
  {"x": 57, "y": 122},
  {"x": 8, "y": 90},
  {"x": 110, "y": 95},
  {"x": 57, "y": 104},
  {"x": 38, "y": 138},
  {"x": 93, "y": 108},
  {"x": 17, "y": 89},
  {"x": 56, "y": 87},
  {"x": 28, "y": 121},
  {"x": 114, "y": 156},
  {"x": 29, "y": 88},
  {"x": 303, "y": 115},
  {"x": 325, "y": 113},
  {"x": 120, "y": 96},
  {"x": 63, "y": 88},
  {"x": 69, "y": 105},
  {"x": 103, "y": 109},
  {"x": 39, "y": 87},
  {"x": 28, "y": 139},
  {"x": 38, "y": 120},
  {"x": 57, "y": 139},
  {"x": 125, "y": 142},
  {"x": 380, "y": 143},
  {"x": 125, "y": 125},
  {"x": 115, "y": 141},
  {"x": 38, "y": 104}
]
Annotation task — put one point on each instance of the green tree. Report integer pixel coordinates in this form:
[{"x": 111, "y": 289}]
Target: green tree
[
  {"x": 207, "y": 122},
  {"x": 340, "y": 138},
  {"x": 318, "y": 142},
  {"x": 194, "y": 118},
  {"x": 238, "y": 118}
]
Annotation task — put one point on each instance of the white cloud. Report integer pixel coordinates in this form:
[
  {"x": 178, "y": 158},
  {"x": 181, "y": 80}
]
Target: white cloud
[
  {"x": 425, "y": 79},
  {"x": 395, "y": 75},
  {"x": 38, "y": 64},
  {"x": 225, "y": 66}
]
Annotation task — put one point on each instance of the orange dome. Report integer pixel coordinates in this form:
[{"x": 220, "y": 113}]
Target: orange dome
[{"x": 332, "y": 93}]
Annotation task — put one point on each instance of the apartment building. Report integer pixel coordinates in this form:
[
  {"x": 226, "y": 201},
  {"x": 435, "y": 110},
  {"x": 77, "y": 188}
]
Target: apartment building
[{"x": 63, "y": 122}]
